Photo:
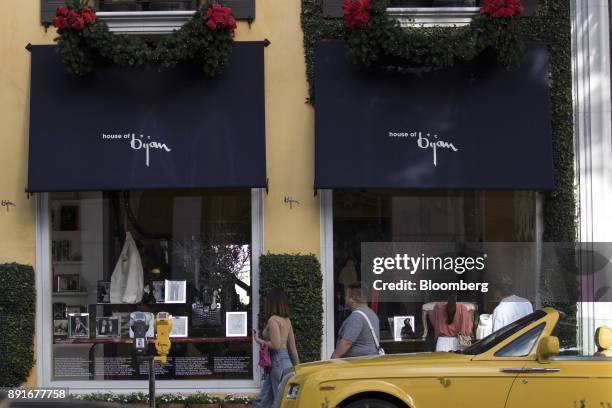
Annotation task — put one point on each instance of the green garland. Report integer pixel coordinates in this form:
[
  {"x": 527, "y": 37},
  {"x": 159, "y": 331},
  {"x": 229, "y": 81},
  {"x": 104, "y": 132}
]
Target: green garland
[
  {"x": 80, "y": 50},
  {"x": 436, "y": 47}
]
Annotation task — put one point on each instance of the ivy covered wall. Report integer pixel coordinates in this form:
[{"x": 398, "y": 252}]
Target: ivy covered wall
[{"x": 550, "y": 24}]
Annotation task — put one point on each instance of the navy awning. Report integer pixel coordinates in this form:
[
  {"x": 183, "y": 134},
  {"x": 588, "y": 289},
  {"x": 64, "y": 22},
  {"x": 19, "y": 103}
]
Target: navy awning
[
  {"x": 122, "y": 129},
  {"x": 472, "y": 126}
]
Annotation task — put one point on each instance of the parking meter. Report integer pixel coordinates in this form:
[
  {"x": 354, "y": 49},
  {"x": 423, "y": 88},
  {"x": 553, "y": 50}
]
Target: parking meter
[
  {"x": 139, "y": 325},
  {"x": 163, "y": 326}
]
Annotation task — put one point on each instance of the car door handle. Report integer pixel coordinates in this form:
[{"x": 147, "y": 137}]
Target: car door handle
[{"x": 529, "y": 370}]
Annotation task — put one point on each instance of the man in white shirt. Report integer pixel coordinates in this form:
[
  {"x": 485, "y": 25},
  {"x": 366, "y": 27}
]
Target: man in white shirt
[{"x": 510, "y": 309}]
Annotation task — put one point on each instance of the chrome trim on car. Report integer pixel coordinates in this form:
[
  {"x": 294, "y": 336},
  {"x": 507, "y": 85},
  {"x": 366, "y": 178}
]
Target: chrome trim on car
[{"x": 529, "y": 370}]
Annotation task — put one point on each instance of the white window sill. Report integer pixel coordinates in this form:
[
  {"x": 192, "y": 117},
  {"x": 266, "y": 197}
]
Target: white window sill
[
  {"x": 433, "y": 16},
  {"x": 144, "y": 22}
]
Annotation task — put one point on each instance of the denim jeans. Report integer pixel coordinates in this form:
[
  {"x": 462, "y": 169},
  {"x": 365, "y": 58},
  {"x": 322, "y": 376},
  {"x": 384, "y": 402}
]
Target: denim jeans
[{"x": 269, "y": 389}]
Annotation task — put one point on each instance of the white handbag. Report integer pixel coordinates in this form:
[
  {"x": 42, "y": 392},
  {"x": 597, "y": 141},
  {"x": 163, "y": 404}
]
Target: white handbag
[{"x": 381, "y": 351}]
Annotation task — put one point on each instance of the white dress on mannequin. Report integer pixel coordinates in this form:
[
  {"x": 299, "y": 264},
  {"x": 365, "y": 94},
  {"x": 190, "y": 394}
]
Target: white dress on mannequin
[{"x": 127, "y": 280}]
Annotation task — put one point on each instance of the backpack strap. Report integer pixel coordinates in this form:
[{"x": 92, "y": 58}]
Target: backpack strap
[{"x": 371, "y": 328}]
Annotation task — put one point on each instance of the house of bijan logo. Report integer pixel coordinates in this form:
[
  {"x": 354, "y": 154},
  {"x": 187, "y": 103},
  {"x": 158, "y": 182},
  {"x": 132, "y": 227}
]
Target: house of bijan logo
[
  {"x": 139, "y": 142},
  {"x": 427, "y": 141}
]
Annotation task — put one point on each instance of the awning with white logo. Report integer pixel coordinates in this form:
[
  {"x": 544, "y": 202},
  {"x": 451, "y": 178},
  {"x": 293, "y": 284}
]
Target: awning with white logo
[
  {"x": 120, "y": 129},
  {"x": 472, "y": 126}
]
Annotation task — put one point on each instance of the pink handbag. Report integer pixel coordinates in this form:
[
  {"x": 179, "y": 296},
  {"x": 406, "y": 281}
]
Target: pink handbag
[{"x": 265, "y": 360}]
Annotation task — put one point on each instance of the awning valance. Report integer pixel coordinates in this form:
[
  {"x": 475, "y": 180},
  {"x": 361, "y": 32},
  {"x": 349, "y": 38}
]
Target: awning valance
[
  {"x": 472, "y": 126},
  {"x": 122, "y": 129}
]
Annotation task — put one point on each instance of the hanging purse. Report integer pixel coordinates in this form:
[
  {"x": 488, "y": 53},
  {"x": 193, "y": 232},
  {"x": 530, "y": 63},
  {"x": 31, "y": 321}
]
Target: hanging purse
[
  {"x": 464, "y": 340},
  {"x": 265, "y": 359}
]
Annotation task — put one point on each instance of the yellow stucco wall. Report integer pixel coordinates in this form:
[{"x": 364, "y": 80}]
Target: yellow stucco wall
[
  {"x": 289, "y": 130},
  {"x": 19, "y": 25}
]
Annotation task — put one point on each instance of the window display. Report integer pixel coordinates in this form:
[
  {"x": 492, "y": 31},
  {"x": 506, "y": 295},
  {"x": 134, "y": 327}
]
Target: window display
[
  {"x": 121, "y": 257},
  {"x": 425, "y": 216}
]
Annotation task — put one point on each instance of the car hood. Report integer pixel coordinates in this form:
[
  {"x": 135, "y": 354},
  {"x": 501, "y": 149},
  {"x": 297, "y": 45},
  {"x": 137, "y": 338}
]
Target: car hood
[{"x": 404, "y": 360}]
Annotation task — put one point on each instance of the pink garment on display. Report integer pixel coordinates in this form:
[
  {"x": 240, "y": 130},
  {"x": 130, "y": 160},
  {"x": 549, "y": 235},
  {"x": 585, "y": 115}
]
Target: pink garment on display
[{"x": 438, "y": 319}]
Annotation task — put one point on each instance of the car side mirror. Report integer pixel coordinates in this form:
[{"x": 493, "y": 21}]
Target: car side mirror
[{"x": 548, "y": 347}]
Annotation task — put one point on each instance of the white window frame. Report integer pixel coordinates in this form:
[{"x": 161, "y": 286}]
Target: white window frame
[
  {"x": 433, "y": 16},
  {"x": 44, "y": 320},
  {"x": 144, "y": 22}
]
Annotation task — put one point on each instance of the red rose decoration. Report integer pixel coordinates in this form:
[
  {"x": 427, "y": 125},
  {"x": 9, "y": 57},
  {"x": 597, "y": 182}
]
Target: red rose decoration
[
  {"x": 62, "y": 11},
  {"x": 220, "y": 17},
  {"x": 57, "y": 22},
  {"x": 88, "y": 15},
  {"x": 356, "y": 13},
  {"x": 73, "y": 19},
  {"x": 502, "y": 8}
]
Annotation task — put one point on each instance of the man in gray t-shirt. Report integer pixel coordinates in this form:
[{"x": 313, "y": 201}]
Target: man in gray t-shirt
[{"x": 355, "y": 337}]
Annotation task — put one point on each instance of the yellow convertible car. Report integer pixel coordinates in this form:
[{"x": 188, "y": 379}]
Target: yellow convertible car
[{"x": 518, "y": 366}]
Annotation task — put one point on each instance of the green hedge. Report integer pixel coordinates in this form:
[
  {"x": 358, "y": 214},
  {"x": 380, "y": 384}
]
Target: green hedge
[
  {"x": 300, "y": 277},
  {"x": 17, "y": 311}
]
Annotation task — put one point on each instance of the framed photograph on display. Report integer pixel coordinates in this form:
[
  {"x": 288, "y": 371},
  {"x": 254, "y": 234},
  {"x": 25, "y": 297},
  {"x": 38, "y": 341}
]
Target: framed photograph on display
[
  {"x": 60, "y": 327},
  {"x": 124, "y": 318},
  {"x": 179, "y": 326},
  {"x": 175, "y": 291},
  {"x": 78, "y": 325},
  {"x": 158, "y": 288},
  {"x": 103, "y": 292},
  {"x": 403, "y": 327},
  {"x": 236, "y": 324},
  {"x": 68, "y": 283},
  {"x": 108, "y": 326}
]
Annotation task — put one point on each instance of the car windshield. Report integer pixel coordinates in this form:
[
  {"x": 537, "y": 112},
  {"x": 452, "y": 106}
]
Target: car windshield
[{"x": 502, "y": 334}]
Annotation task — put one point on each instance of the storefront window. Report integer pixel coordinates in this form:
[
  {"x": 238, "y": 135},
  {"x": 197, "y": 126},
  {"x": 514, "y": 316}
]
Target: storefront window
[
  {"x": 186, "y": 252},
  {"x": 422, "y": 216}
]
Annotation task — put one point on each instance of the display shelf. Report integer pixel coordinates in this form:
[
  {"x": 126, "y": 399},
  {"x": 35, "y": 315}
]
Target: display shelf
[{"x": 175, "y": 340}]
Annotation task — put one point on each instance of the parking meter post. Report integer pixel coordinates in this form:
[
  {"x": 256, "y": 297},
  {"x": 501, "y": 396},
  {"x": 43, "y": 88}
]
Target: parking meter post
[{"x": 152, "y": 382}]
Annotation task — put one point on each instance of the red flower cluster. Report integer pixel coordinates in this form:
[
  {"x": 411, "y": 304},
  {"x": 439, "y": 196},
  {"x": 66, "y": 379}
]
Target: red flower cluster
[
  {"x": 220, "y": 17},
  {"x": 502, "y": 8},
  {"x": 73, "y": 19},
  {"x": 355, "y": 13}
]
